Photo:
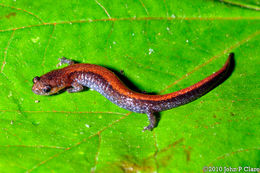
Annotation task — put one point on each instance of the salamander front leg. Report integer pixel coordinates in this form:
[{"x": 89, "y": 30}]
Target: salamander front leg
[
  {"x": 152, "y": 120},
  {"x": 75, "y": 87},
  {"x": 64, "y": 60}
]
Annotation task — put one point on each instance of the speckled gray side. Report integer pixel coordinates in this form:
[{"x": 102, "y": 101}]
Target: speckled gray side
[{"x": 98, "y": 83}]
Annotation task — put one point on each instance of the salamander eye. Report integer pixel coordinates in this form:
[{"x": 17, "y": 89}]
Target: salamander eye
[
  {"x": 46, "y": 89},
  {"x": 36, "y": 79}
]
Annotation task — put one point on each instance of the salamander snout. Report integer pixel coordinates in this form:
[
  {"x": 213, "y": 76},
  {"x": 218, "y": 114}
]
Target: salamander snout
[{"x": 40, "y": 88}]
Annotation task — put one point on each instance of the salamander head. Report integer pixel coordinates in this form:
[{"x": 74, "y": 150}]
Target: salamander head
[{"x": 42, "y": 86}]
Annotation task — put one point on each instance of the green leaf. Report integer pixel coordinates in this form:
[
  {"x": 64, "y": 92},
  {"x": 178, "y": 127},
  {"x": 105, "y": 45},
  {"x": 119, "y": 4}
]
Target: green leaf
[{"x": 162, "y": 46}]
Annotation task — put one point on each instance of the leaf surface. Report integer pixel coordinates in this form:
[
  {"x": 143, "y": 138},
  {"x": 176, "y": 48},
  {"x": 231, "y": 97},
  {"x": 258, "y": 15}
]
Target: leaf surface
[{"x": 161, "y": 47}]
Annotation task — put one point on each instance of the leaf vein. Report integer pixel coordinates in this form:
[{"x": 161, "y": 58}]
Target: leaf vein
[
  {"x": 6, "y": 51},
  {"x": 135, "y": 19},
  {"x": 19, "y": 9},
  {"x": 103, "y": 9}
]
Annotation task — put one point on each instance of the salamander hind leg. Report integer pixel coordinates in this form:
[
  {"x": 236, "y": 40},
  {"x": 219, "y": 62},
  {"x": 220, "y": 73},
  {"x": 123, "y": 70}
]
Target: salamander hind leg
[
  {"x": 64, "y": 60},
  {"x": 152, "y": 121},
  {"x": 75, "y": 87}
]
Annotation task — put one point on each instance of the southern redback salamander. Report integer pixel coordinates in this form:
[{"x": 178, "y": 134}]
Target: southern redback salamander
[{"x": 75, "y": 77}]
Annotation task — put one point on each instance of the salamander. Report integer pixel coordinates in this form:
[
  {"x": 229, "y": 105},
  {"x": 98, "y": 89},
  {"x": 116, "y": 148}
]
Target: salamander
[{"x": 76, "y": 76}]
